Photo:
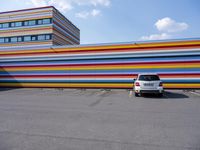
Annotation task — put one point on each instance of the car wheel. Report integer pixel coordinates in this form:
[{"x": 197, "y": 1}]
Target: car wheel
[
  {"x": 136, "y": 95},
  {"x": 160, "y": 94}
]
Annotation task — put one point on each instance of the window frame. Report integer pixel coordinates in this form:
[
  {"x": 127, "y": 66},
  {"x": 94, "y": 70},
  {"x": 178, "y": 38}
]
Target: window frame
[
  {"x": 12, "y": 24},
  {"x": 42, "y": 35},
  {"x": 1, "y": 40},
  {"x": 16, "y": 24},
  {"x": 27, "y": 36},
  {"x": 50, "y": 37},
  {"x": 5, "y": 24},
  {"x": 26, "y": 23},
  {"x": 49, "y": 21},
  {"x": 31, "y": 21},
  {"x": 39, "y": 21},
  {"x": 19, "y": 38},
  {"x": 6, "y": 40},
  {"x": 14, "y": 40},
  {"x": 33, "y": 37}
]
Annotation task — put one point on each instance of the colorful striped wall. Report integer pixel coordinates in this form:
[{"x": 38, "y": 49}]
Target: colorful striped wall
[{"x": 102, "y": 66}]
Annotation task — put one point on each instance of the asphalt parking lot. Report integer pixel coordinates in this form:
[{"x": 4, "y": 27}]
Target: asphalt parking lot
[{"x": 78, "y": 119}]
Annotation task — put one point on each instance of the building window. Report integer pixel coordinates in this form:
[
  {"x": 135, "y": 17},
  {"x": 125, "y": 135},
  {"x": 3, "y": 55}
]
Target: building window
[
  {"x": 41, "y": 37},
  {"x": 1, "y": 40},
  {"x": 46, "y": 21},
  {"x": 25, "y": 23},
  {"x": 6, "y": 40},
  {"x": 12, "y": 24},
  {"x": 5, "y": 25},
  {"x": 13, "y": 39},
  {"x": 18, "y": 24},
  {"x": 32, "y": 22},
  {"x": 39, "y": 22},
  {"x": 19, "y": 39},
  {"x": 27, "y": 38},
  {"x": 47, "y": 37},
  {"x": 33, "y": 38}
]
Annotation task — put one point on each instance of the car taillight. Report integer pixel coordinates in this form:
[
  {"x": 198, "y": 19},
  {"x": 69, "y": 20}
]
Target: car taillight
[
  {"x": 137, "y": 84},
  {"x": 161, "y": 84}
]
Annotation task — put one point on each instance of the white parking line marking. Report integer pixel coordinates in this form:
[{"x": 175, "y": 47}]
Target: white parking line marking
[
  {"x": 165, "y": 95},
  {"x": 195, "y": 93},
  {"x": 131, "y": 93}
]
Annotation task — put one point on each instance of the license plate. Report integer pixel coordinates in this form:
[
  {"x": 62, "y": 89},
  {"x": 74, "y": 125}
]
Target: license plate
[{"x": 148, "y": 84}]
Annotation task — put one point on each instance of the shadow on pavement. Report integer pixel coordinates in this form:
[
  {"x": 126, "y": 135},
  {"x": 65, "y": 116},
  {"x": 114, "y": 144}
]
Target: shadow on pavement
[
  {"x": 7, "y": 89},
  {"x": 167, "y": 95},
  {"x": 174, "y": 95}
]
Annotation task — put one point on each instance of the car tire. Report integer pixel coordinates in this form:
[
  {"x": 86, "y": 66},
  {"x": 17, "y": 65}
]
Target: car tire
[
  {"x": 160, "y": 94},
  {"x": 136, "y": 95}
]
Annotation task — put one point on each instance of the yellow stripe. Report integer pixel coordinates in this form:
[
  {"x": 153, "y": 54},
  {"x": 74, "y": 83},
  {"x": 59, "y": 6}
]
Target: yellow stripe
[
  {"x": 109, "y": 47},
  {"x": 91, "y": 85},
  {"x": 27, "y": 43},
  {"x": 101, "y": 68},
  {"x": 185, "y": 85},
  {"x": 94, "y": 85}
]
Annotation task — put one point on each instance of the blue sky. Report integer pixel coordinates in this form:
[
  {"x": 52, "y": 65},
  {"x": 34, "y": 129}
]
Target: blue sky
[{"x": 108, "y": 21}]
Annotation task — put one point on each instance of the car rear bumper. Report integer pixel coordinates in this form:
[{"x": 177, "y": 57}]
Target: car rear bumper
[{"x": 151, "y": 91}]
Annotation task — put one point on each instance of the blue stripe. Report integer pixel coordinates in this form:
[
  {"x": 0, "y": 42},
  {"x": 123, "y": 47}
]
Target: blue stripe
[
  {"x": 125, "y": 71},
  {"x": 152, "y": 55},
  {"x": 98, "y": 81},
  {"x": 103, "y": 61}
]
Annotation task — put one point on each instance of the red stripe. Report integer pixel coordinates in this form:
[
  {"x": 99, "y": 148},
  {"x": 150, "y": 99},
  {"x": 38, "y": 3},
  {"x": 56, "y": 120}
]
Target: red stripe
[
  {"x": 106, "y": 87},
  {"x": 97, "y": 75},
  {"x": 106, "y": 64}
]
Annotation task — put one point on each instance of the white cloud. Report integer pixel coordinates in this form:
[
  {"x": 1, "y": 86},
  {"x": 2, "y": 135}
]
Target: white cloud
[
  {"x": 161, "y": 36},
  {"x": 100, "y": 2},
  {"x": 66, "y": 5},
  {"x": 39, "y": 3},
  {"x": 95, "y": 12},
  {"x": 83, "y": 14},
  {"x": 169, "y": 25},
  {"x": 87, "y": 14},
  {"x": 62, "y": 5},
  {"x": 93, "y": 2}
]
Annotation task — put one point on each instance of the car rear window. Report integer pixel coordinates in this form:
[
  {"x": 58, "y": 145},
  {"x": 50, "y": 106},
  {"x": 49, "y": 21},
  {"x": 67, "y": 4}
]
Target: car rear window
[{"x": 149, "y": 78}]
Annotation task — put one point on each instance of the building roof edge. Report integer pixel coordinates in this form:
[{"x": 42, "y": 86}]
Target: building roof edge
[{"x": 28, "y": 9}]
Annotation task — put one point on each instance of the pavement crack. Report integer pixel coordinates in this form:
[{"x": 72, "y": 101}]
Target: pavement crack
[
  {"x": 99, "y": 140},
  {"x": 96, "y": 102}
]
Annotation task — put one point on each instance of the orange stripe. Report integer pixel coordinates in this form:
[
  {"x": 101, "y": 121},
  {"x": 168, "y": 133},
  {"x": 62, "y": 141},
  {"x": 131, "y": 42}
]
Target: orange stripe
[{"x": 80, "y": 50}]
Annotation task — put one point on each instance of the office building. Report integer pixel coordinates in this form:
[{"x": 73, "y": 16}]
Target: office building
[{"x": 44, "y": 26}]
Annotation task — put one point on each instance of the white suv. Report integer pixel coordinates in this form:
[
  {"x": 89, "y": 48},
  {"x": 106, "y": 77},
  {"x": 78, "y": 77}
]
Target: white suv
[{"x": 148, "y": 83}]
